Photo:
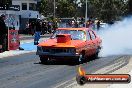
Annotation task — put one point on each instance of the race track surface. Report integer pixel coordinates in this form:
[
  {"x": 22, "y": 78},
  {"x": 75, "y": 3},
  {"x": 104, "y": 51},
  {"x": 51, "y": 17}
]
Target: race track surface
[{"x": 25, "y": 71}]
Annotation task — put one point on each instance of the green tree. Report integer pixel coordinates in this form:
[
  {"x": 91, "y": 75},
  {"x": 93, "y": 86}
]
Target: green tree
[
  {"x": 66, "y": 8},
  {"x": 130, "y": 6},
  {"x": 46, "y": 7},
  {"x": 3, "y": 2},
  {"x": 102, "y": 9},
  {"x": 43, "y": 7},
  {"x": 106, "y": 10},
  {"x": 112, "y": 10}
]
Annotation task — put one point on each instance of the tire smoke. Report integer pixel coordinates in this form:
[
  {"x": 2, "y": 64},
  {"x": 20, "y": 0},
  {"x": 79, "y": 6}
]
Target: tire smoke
[{"x": 117, "y": 38}]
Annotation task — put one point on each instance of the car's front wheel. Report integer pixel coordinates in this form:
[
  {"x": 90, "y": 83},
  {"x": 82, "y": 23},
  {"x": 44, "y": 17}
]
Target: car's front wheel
[
  {"x": 43, "y": 60},
  {"x": 81, "y": 59}
]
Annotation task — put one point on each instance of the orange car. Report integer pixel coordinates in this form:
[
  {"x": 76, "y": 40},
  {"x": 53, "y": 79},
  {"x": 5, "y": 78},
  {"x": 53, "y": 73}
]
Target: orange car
[{"x": 73, "y": 44}]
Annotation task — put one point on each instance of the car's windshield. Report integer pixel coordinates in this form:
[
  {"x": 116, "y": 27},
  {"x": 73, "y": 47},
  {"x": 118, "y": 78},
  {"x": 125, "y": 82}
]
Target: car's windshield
[{"x": 75, "y": 34}]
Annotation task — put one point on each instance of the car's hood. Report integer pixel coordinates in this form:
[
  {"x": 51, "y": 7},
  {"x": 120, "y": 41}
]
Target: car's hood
[{"x": 71, "y": 43}]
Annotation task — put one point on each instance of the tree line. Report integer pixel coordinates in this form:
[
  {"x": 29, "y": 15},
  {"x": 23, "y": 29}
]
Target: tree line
[
  {"x": 101, "y": 9},
  {"x": 5, "y": 2}
]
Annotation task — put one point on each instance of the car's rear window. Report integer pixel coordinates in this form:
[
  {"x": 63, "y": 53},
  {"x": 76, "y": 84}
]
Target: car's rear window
[{"x": 75, "y": 34}]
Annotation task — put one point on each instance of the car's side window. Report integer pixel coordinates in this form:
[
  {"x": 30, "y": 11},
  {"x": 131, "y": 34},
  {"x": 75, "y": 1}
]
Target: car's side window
[
  {"x": 88, "y": 36},
  {"x": 92, "y": 35}
]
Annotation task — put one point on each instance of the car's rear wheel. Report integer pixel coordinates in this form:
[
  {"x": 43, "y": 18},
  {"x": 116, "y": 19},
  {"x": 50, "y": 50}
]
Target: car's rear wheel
[
  {"x": 43, "y": 60},
  {"x": 95, "y": 56}
]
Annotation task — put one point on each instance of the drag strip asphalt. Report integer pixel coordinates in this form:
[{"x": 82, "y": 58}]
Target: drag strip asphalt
[{"x": 25, "y": 71}]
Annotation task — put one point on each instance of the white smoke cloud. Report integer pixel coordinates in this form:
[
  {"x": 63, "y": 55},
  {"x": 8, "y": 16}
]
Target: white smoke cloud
[{"x": 117, "y": 39}]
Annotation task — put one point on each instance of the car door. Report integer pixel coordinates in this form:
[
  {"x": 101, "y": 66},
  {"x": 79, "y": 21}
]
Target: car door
[
  {"x": 89, "y": 44},
  {"x": 98, "y": 40},
  {"x": 93, "y": 41}
]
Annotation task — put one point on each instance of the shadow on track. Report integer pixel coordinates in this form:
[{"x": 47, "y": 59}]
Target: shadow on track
[{"x": 69, "y": 63}]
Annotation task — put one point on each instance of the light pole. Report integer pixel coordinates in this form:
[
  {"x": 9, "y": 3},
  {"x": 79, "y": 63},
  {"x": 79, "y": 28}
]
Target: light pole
[
  {"x": 54, "y": 8},
  {"x": 86, "y": 13}
]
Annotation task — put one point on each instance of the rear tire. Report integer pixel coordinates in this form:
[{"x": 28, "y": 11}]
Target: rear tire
[{"x": 95, "y": 56}]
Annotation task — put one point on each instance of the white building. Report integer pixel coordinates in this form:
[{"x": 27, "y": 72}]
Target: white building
[
  {"x": 12, "y": 17},
  {"x": 27, "y": 11},
  {"x": 27, "y": 8}
]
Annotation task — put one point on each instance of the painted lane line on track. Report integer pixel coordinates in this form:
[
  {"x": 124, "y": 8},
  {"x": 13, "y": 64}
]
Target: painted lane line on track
[
  {"x": 13, "y": 53},
  {"x": 66, "y": 83},
  {"x": 122, "y": 60},
  {"x": 122, "y": 85}
]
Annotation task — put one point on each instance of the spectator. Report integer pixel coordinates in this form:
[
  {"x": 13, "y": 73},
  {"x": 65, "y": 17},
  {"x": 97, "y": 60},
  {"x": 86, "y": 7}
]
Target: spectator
[
  {"x": 26, "y": 31},
  {"x": 44, "y": 28},
  {"x": 98, "y": 25},
  {"x": 88, "y": 24},
  {"x": 3, "y": 34},
  {"x": 32, "y": 27},
  {"x": 37, "y": 32},
  {"x": 49, "y": 27},
  {"x": 55, "y": 26},
  {"x": 76, "y": 24}
]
